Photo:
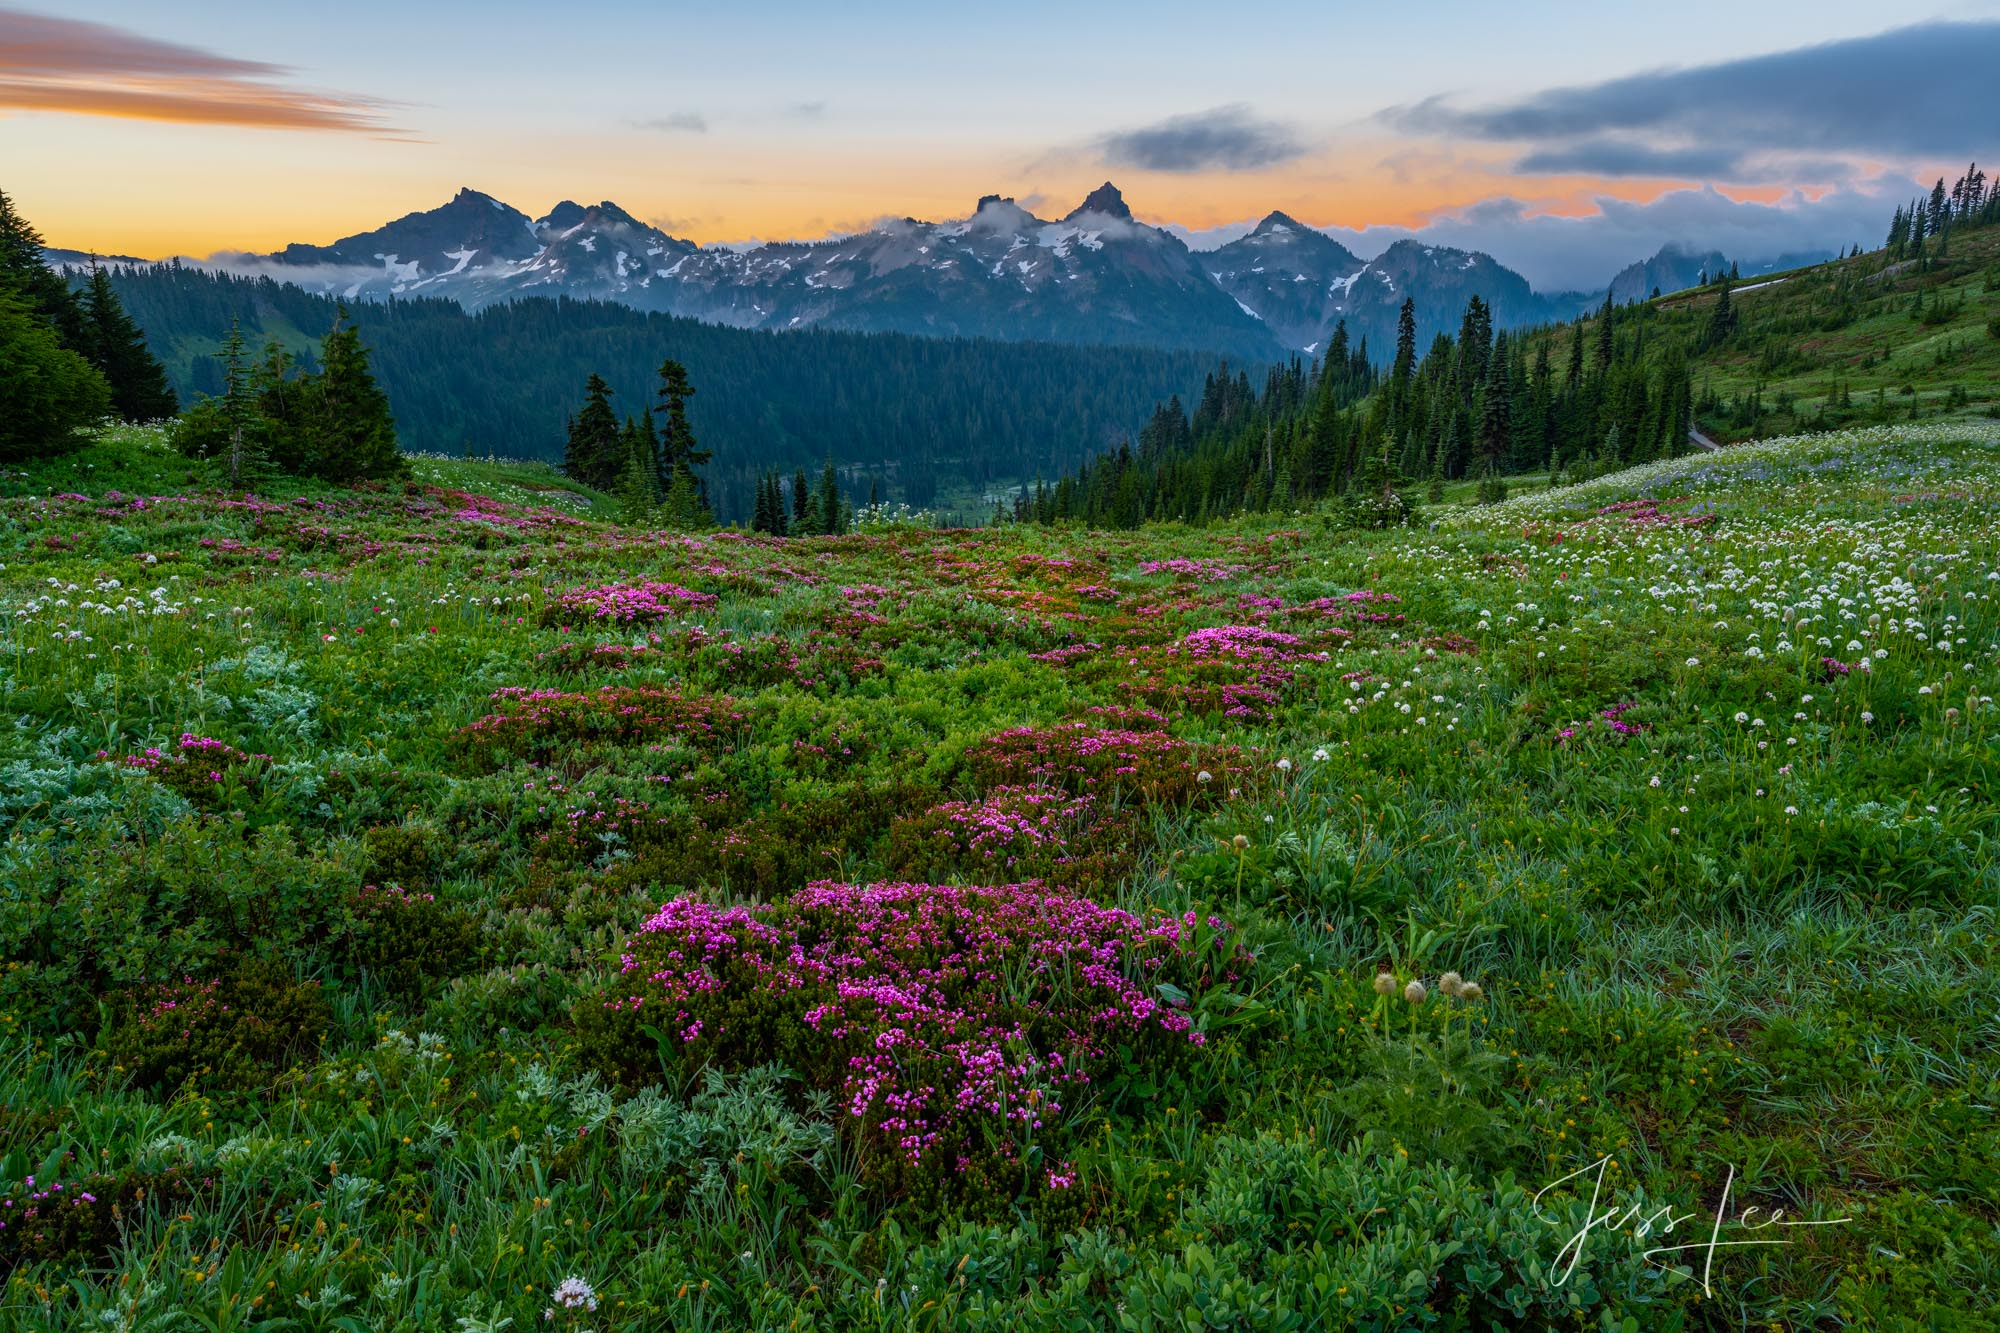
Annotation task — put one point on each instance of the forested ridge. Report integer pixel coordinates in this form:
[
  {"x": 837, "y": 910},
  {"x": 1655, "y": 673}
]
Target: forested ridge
[
  {"x": 916, "y": 418},
  {"x": 1905, "y": 332}
]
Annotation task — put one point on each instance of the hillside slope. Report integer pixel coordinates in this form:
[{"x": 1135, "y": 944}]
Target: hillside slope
[
  {"x": 408, "y": 892},
  {"x": 1852, "y": 341}
]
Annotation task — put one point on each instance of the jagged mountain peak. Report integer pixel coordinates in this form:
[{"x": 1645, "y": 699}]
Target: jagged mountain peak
[
  {"x": 1105, "y": 199},
  {"x": 1277, "y": 223}
]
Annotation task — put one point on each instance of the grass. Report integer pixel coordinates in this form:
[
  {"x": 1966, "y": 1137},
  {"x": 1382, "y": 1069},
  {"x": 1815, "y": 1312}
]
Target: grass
[
  {"x": 1842, "y": 343},
  {"x": 338, "y": 841}
]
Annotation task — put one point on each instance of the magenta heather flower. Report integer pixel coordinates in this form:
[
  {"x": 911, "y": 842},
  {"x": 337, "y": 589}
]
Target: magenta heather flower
[
  {"x": 625, "y": 604},
  {"x": 948, "y": 1019}
]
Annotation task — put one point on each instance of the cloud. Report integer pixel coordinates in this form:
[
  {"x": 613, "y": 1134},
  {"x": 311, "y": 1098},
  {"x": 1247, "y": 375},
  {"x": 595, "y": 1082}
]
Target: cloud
[
  {"x": 1910, "y": 94},
  {"x": 806, "y": 110},
  {"x": 1226, "y": 138},
  {"x": 1564, "y": 253},
  {"x": 679, "y": 122},
  {"x": 93, "y": 69}
]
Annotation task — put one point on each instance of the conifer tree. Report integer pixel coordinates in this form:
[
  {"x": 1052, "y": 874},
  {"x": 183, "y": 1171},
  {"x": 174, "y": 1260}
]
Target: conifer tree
[
  {"x": 1721, "y": 320},
  {"x": 803, "y": 510},
  {"x": 1496, "y": 424},
  {"x": 594, "y": 452},
  {"x": 829, "y": 519},
  {"x": 244, "y": 453},
  {"x": 637, "y": 503},
  {"x": 350, "y": 435},
  {"x": 139, "y": 389},
  {"x": 677, "y": 442},
  {"x": 46, "y": 391},
  {"x": 760, "y": 512},
  {"x": 46, "y": 295}
]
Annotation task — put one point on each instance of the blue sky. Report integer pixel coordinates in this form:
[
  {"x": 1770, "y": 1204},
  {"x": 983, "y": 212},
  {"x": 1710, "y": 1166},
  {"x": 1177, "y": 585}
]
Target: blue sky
[{"x": 792, "y": 119}]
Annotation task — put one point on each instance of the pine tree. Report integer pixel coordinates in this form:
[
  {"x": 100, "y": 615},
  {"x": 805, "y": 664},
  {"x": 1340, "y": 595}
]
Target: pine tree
[
  {"x": 46, "y": 295},
  {"x": 637, "y": 502},
  {"x": 594, "y": 452},
  {"x": 245, "y": 454},
  {"x": 760, "y": 513},
  {"x": 1496, "y": 424},
  {"x": 347, "y": 432},
  {"x": 46, "y": 391},
  {"x": 677, "y": 442},
  {"x": 829, "y": 518},
  {"x": 684, "y": 508},
  {"x": 1721, "y": 320},
  {"x": 139, "y": 389},
  {"x": 803, "y": 509}
]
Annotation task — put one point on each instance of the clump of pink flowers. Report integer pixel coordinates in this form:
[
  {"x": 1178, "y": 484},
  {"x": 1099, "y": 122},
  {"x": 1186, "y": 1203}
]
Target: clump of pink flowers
[
  {"x": 196, "y": 767},
  {"x": 625, "y": 604},
  {"x": 952, "y": 1021},
  {"x": 1014, "y": 833},
  {"x": 1085, "y": 758},
  {"x": 1609, "y": 721},
  {"x": 531, "y": 721}
]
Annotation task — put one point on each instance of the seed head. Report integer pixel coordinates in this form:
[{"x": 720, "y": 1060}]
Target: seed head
[
  {"x": 1471, "y": 991},
  {"x": 1415, "y": 992},
  {"x": 1451, "y": 983},
  {"x": 1239, "y": 842},
  {"x": 1385, "y": 983}
]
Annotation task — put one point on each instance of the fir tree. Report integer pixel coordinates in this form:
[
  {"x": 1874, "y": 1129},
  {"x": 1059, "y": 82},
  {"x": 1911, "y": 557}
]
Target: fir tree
[
  {"x": 637, "y": 503},
  {"x": 683, "y": 508},
  {"x": 1721, "y": 320},
  {"x": 1496, "y": 424},
  {"x": 46, "y": 295},
  {"x": 350, "y": 435},
  {"x": 829, "y": 518},
  {"x": 677, "y": 443},
  {"x": 46, "y": 391},
  {"x": 594, "y": 452},
  {"x": 803, "y": 510},
  {"x": 139, "y": 389}
]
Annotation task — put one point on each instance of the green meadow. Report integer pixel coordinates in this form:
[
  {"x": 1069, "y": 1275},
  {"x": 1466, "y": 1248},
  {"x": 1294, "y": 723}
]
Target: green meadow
[{"x": 432, "y": 906}]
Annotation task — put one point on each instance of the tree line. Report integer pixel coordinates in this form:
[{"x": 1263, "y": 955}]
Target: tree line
[
  {"x": 68, "y": 356},
  {"x": 915, "y": 419},
  {"x": 1475, "y": 405}
]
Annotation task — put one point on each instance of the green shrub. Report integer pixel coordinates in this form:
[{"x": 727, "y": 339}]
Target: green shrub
[
  {"x": 226, "y": 1035},
  {"x": 405, "y": 941}
]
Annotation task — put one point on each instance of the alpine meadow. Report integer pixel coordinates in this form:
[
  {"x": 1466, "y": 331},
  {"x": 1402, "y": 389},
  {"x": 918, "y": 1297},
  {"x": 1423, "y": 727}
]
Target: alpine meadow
[{"x": 702, "y": 767}]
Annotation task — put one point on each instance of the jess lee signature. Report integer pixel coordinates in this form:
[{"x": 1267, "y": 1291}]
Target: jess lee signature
[{"x": 1663, "y": 1221}]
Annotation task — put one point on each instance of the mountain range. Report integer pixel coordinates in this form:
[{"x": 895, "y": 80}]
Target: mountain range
[{"x": 1095, "y": 276}]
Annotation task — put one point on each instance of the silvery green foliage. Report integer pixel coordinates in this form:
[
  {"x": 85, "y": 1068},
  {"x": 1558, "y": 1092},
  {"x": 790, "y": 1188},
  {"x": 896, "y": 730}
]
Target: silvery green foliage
[{"x": 276, "y": 702}]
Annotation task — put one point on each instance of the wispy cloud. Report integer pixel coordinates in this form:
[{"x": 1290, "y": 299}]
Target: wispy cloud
[
  {"x": 1224, "y": 138},
  {"x": 1911, "y": 93},
  {"x": 806, "y": 110},
  {"x": 48, "y": 63},
  {"x": 679, "y": 122}
]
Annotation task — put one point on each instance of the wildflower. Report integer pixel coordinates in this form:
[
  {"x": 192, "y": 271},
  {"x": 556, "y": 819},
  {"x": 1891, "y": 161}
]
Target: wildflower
[
  {"x": 1867, "y": 717},
  {"x": 1471, "y": 990},
  {"x": 1451, "y": 984},
  {"x": 1694, "y": 661},
  {"x": 1385, "y": 983},
  {"x": 1791, "y": 809},
  {"x": 1204, "y": 777},
  {"x": 1239, "y": 842},
  {"x": 1415, "y": 992},
  {"x": 1742, "y": 717},
  {"x": 1320, "y": 755},
  {"x": 1284, "y": 765},
  {"x": 573, "y": 1293}
]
